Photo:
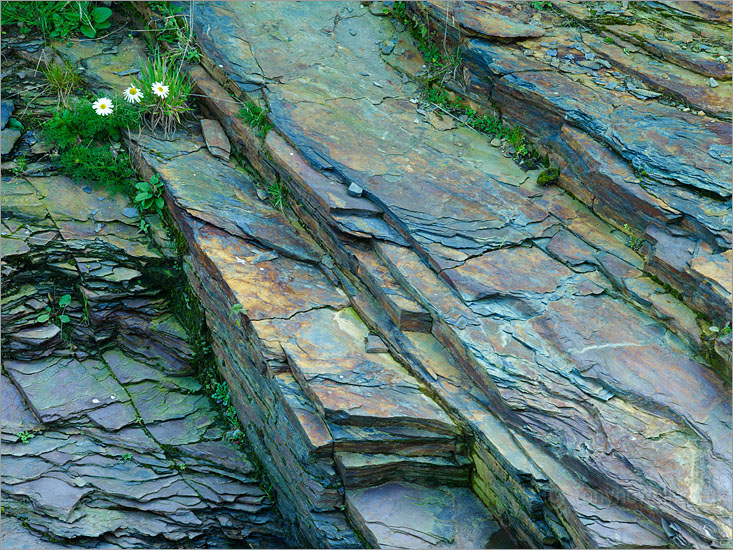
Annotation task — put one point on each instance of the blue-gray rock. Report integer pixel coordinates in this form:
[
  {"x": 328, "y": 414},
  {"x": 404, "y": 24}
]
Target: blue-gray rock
[
  {"x": 6, "y": 112},
  {"x": 130, "y": 212},
  {"x": 355, "y": 190}
]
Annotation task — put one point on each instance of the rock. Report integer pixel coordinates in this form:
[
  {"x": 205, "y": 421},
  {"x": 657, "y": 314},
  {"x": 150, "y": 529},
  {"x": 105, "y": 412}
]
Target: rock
[
  {"x": 374, "y": 344},
  {"x": 216, "y": 140},
  {"x": 495, "y": 142},
  {"x": 713, "y": 82},
  {"x": 130, "y": 212},
  {"x": 9, "y": 137},
  {"x": 6, "y": 110},
  {"x": 355, "y": 190},
  {"x": 644, "y": 94}
]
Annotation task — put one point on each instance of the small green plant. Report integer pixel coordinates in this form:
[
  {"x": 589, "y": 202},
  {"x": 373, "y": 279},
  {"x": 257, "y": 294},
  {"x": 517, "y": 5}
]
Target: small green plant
[
  {"x": 548, "y": 176},
  {"x": 126, "y": 457},
  {"x": 256, "y": 117},
  {"x": 726, "y": 330},
  {"x": 21, "y": 164},
  {"x": 56, "y": 314},
  {"x": 540, "y": 6},
  {"x": 149, "y": 194},
  {"x": 634, "y": 243},
  {"x": 63, "y": 80},
  {"x": 174, "y": 29},
  {"x": 608, "y": 40},
  {"x": 234, "y": 312},
  {"x": 278, "y": 194},
  {"x": 98, "y": 164},
  {"x": 58, "y": 19},
  {"x": 166, "y": 90},
  {"x": 79, "y": 124},
  {"x": 25, "y": 436}
]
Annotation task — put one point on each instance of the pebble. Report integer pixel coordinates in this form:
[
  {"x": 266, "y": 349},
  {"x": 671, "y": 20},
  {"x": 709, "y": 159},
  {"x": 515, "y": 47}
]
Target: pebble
[
  {"x": 377, "y": 84},
  {"x": 130, "y": 212},
  {"x": 87, "y": 189},
  {"x": 701, "y": 113},
  {"x": 416, "y": 121},
  {"x": 590, "y": 55},
  {"x": 545, "y": 45},
  {"x": 610, "y": 86},
  {"x": 495, "y": 142},
  {"x": 604, "y": 63},
  {"x": 570, "y": 56},
  {"x": 364, "y": 74},
  {"x": 354, "y": 190},
  {"x": 551, "y": 53},
  {"x": 723, "y": 59},
  {"x": 95, "y": 401},
  {"x": 413, "y": 100},
  {"x": 388, "y": 49},
  {"x": 713, "y": 83},
  {"x": 352, "y": 32}
]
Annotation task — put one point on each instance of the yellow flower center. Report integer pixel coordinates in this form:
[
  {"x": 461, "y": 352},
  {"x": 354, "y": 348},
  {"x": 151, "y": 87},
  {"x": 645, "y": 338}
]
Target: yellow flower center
[
  {"x": 160, "y": 88},
  {"x": 102, "y": 106},
  {"x": 133, "y": 91}
]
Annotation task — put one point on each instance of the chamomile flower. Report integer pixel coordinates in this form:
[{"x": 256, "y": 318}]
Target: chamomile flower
[
  {"x": 103, "y": 106},
  {"x": 160, "y": 89},
  {"x": 133, "y": 94}
]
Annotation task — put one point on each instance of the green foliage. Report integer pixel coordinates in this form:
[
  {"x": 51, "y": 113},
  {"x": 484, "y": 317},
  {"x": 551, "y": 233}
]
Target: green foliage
[
  {"x": 149, "y": 194},
  {"x": 21, "y": 164},
  {"x": 173, "y": 28},
  {"x": 57, "y": 314},
  {"x": 126, "y": 457},
  {"x": 540, "y": 6},
  {"x": 278, "y": 194},
  {"x": 98, "y": 164},
  {"x": 58, "y": 19},
  {"x": 549, "y": 176},
  {"x": 634, "y": 243},
  {"x": 256, "y": 117},
  {"x": 234, "y": 312},
  {"x": 167, "y": 112},
  {"x": 62, "y": 80},
  {"x": 608, "y": 40},
  {"x": 25, "y": 436},
  {"x": 80, "y": 124}
]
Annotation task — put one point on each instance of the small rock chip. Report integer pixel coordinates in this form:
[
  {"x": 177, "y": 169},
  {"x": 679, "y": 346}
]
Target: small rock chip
[
  {"x": 551, "y": 53},
  {"x": 723, "y": 59},
  {"x": 377, "y": 84},
  {"x": 354, "y": 190},
  {"x": 604, "y": 63},
  {"x": 496, "y": 142},
  {"x": 374, "y": 344},
  {"x": 130, "y": 212},
  {"x": 362, "y": 73},
  {"x": 216, "y": 140},
  {"x": 701, "y": 113},
  {"x": 352, "y": 32},
  {"x": 87, "y": 189},
  {"x": 713, "y": 83}
]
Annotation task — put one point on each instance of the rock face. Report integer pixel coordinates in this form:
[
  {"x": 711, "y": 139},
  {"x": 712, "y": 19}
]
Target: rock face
[
  {"x": 570, "y": 380},
  {"x": 108, "y": 440},
  {"x": 613, "y": 115}
]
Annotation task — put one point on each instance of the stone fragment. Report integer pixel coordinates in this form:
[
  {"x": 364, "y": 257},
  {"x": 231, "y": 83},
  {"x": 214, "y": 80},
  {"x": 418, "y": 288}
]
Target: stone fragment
[
  {"x": 374, "y": 344},
  {"x": 216, "y": 140},
  {"x": 355, "y": 190}
]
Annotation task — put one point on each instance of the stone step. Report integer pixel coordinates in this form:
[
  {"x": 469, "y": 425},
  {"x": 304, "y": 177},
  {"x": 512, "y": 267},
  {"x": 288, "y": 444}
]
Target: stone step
[
  {"x": 406, "y": 515},
  {"x": 365, "y": 470}
]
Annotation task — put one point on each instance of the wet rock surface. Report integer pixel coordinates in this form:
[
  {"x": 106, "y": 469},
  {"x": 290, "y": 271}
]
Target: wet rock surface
[{"x": 588, "y": 411}]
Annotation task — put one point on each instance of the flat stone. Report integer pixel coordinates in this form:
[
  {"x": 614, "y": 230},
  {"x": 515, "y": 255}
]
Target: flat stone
[
  {"x": 9, "y": 137},
  {"x": 216, "y": 140},
  {"x": 354, "y": 190},
  {"x": 374, "y": 344}
]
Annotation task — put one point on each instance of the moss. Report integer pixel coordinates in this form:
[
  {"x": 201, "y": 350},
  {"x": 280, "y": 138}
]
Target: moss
[{"x": 549, "y": 176}]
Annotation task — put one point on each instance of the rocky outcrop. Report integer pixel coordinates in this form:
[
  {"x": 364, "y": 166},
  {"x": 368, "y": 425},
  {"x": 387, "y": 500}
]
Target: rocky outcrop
[
  {"x": 108, "y": 438},
  {"x": 574, "y": 376},
  {"x": 626, "y": 101}
]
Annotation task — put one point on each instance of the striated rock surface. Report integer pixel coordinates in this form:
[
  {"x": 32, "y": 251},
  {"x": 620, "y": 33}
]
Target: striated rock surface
[
  {"x": 575, "y": 382},
  {"x": 622, "y": 99},
  {"x": 108, "y": 441}
]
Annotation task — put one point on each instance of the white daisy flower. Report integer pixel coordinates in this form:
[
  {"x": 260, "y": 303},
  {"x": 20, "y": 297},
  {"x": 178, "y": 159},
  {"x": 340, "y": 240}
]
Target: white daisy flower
[
  {"x": 103, "y": 106},
  {"x": 160, "y": 89},
  {"x": 133, "y": 94}
]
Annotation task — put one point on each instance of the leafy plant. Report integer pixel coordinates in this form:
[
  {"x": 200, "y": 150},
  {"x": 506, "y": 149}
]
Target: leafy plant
[
  {"x": 25, "y": 436},
  {"x": 256, "y": 117},
  {"x": 21, "y": 164},
  {"x": 175, "y": 30},
  {"x": 58, "y": 315},
  {"x": 234, "y": 312},
  {"x": 608, "y": 40},
  {"x": 164, "y": 111},
  {"x": 58, "y": 19},
  {"x": 634, "y": 243},
  {"x": 126, "y": 457},
  {"x": 540, "y": 6},
  {"x": 150, "y": 194}
]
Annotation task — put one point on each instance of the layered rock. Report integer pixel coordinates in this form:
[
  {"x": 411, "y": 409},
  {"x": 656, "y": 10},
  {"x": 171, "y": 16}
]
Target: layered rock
[
  {"x": 626, "y": 101},
  {"x": 575, "y": 376},
  {"x": 108, "y": 439}
]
